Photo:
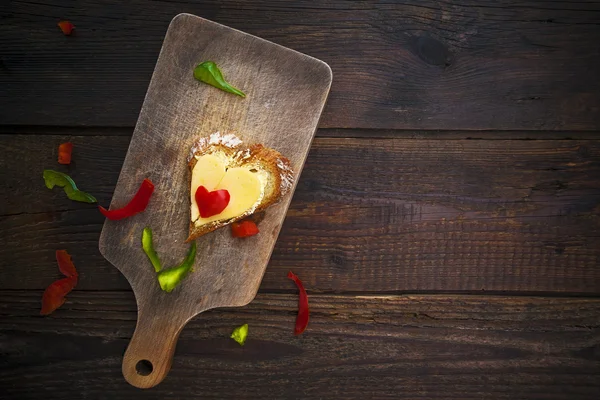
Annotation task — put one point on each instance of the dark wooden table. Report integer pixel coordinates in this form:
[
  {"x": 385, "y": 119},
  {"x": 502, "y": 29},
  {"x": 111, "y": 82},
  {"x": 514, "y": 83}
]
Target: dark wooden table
[{"x": 447, "y": 223}]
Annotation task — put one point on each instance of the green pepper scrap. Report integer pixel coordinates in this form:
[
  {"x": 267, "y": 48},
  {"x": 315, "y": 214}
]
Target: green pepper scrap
[
  {"x": 170, "y": 278},
  {"x": 167, "y": 278},
  {"x": 55, "y": 178},
  {"x": 149, "y": 249},
  {"x": 209, "y": 73},
  {"x": 240, "y": 334}
]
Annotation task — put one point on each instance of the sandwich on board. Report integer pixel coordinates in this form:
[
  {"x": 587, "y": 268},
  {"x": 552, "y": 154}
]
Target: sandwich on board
[{"x": 230, "y": 181}]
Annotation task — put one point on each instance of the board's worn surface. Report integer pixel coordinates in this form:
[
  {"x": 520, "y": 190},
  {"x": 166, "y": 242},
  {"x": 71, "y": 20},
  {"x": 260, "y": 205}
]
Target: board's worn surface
[
  {"x": 404, "y": 64},
  {"x": 364, "y": 347},
  {"x": 286, "y": 93}
]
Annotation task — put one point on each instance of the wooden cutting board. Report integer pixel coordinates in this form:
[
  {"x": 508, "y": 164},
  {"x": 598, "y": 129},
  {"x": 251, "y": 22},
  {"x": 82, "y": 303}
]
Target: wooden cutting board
[{"x": 286, "y": 92}]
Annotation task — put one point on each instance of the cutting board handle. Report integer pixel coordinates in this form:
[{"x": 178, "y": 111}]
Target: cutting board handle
[{"x": 149, "y": 356}]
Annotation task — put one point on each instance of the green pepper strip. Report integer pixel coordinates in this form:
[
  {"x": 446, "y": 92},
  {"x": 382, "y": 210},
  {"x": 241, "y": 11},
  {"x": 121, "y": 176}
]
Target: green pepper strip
[
  {"x": 209, "y": 73},
  {"x": 170, "y": 278},
  {"x": 167, "y": 278},
  {"x": 149, "y": 249},
  {"x": 55, "y": 178}
]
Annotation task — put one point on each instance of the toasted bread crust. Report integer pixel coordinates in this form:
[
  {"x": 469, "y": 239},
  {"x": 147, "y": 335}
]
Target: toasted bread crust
[{"x": 278, "y": 167}]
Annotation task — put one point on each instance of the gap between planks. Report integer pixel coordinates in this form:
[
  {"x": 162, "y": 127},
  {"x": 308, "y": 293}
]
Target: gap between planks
[{"x": 356, "y": 133}]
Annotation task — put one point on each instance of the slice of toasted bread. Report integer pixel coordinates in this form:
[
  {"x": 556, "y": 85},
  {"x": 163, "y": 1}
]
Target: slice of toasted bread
[{"x": 269, "y": 174}]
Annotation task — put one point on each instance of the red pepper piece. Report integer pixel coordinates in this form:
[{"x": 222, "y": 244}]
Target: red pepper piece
[
  {"x": 244, "y": 229},
  {"x": 211, "y": 203},
  {"x": 302, "y": 318},
  {"x": 66, "y": 27},
  {"x": 64, "y": 153},
  {"x": 65, "y": 265},
  {"x": 136, "y": 205},
  {"x": 54, "y": 295}
]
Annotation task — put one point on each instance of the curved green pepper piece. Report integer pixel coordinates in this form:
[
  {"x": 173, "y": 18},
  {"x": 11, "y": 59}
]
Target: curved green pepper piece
[
  {"x": 208, "y": 72},
  {"x": 170, "y": 278},
  {"x": 55, "y": 178},
  {"x": 149, "y": 249}
]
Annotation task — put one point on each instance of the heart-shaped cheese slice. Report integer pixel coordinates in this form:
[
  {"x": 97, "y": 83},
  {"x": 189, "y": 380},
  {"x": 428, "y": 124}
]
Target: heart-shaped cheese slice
[{"x": 245, "y": 187}]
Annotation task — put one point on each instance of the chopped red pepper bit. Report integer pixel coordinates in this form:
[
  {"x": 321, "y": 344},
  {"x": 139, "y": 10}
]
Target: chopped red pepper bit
[
  {"x": 65, "y": 264},
  {"x": 244, "y": 229},
  {"x": 64, "y": 153},
  {"x": 54, "y": 295},
  {"x": 302, "y": 318},
  {"x": 66, "y": 27},
  {"x": 211, "y": 203},
  {"x": 136, "y": 205}
]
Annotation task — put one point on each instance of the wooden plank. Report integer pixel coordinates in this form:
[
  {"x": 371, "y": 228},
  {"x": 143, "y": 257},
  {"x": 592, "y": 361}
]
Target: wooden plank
[
  {"x": 402, "y": 64},
  {"x": 396, "y": 347},
  {"x": 369, "y": 215}
]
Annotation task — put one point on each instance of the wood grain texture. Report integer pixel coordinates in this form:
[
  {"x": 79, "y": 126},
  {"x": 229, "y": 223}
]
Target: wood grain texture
[
  {"x": 398, "y": 64},
  {"x": 392, "y": 347},
  {"x": 286, "y": 92},
  {"x": 368, "y": 215}
]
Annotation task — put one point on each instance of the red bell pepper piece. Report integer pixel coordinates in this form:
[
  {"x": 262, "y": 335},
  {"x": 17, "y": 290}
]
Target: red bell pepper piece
[
  {"x": 64, "y": 153},
  {"x": 302, "y": 317},
  {"x": 244, "y": 229},
  {"x": 65, "y": 264},
  {"x": 66, "y": 27},
  {"x": 136, "y": 205},
  {"x": 54, "y": 295},
  {"x": 211, "y": 203}
]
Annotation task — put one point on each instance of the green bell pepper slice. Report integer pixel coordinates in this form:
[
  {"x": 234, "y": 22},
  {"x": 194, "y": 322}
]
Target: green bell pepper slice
[
  {"x": 170, "y": 278},
  {"x": 54, "y": 178},
  {"x": 240, "y": 334},
  {"x": 149, "y": 249}
]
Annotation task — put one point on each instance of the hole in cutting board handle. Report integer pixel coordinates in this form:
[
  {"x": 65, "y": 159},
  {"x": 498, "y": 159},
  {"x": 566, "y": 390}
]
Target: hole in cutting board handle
[
  {"x": 149, "y": 355},
  {"x": 144, "y": 367}
]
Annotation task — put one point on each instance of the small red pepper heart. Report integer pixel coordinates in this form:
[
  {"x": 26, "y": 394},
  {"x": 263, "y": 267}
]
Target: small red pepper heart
[{"x": 211, "y": 203}]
